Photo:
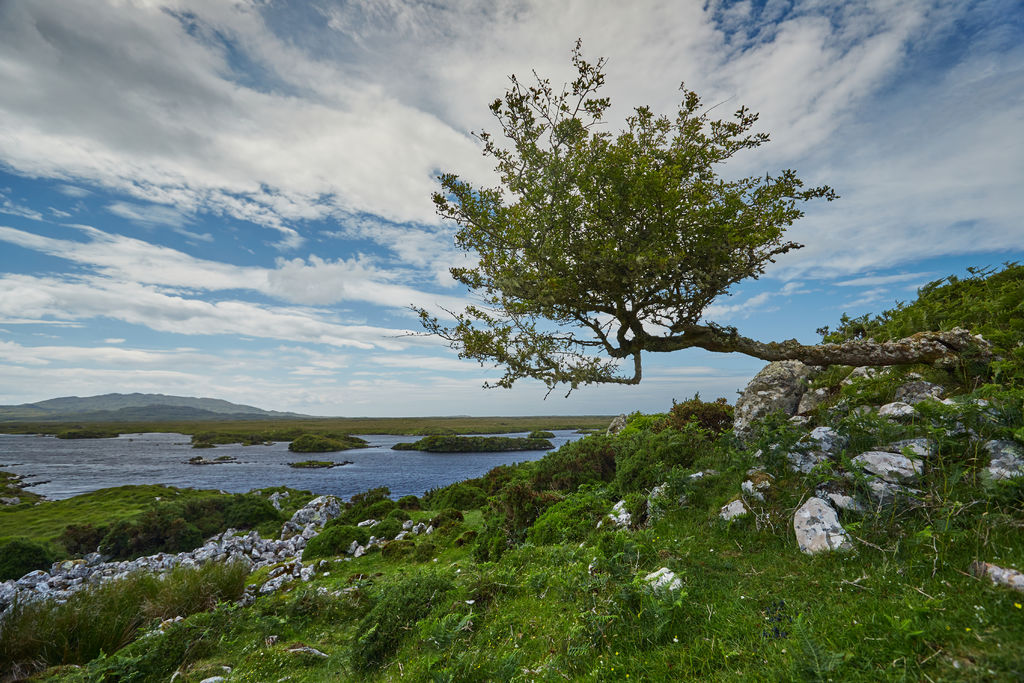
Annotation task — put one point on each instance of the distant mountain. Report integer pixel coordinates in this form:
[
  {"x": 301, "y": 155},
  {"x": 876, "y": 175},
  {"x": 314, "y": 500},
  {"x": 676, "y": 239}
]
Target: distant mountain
[{"x": 135, "y": 408}]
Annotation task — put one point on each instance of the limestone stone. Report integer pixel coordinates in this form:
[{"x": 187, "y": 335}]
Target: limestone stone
[
  {"x": 915, "y": 392},
  {"x": 663, "y": 579},
  {"x": 818, "y": 529},
  {"x": 1007, "y": 459},
  {"x": 921, "y": 447},
  {"x": 893, "y": 467},
  {"x": 734, "y": 510},
  {"x": 811, "y": 400},
  {"x": 897, "y": 410},
  {"x": 778, "y": 387},
  {"x": 617, "y": 425},
  {"x": 1011, "y": 578}
]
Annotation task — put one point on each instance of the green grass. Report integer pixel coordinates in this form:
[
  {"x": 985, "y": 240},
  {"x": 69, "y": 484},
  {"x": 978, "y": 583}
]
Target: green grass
[{"x": 287, "y": 430}]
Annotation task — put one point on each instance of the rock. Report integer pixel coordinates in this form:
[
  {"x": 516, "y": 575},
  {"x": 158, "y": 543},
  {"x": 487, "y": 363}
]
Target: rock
[
  {"x": 368, "y": 522},
  {"x": 407, "y": 525},
  {"x": 32, "y": 578},
  {"x": 827, "y": 439},
  {"x": 318, "y": 512},
  {"x": 352, "y": 547},
  {"x": 213, "y": 679},
  {"x": 885, "y": 492},
  {"x": 915, "y": 392},
  {"x": 759, "y": 481},
  {"x": 893, "y": 467},
  {"x": 1011, "y": 578},
  {"x": 733, "y": 510},
  {"x": 859, "y": 374},
  {"x": 619, "y": 516},
  {"x": 811, "y": 400},
  {"x": 818, "y": 529},
  {"x": 359, "y": 551},
  {"x": 12, "y": 500},
  {"x": 921, "y": 447},
  {"x": 617, "y": 425},
  {"x": 778, "y": 387},
  {"x": 805, "y": 461},
  {"x": 305, "y": 649},
  {"x": 843, "y": 502},
  {"x": 1007, "y": 459},
  {"x": 897, "y": 410},
  {"x": 663, "y": 579},
  {"x": 275, "y": 584}
]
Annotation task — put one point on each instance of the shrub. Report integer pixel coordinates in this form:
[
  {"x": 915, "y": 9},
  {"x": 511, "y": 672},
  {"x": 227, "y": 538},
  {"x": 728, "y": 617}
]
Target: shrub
[
  {"x": 568, "y": 521},
  {"x": 446, "y": 517},
  {"x": 395, "y": 550},
  {"x": 409, "y": 502},
  {"x": 398, "y": 606},
  {"x": 508, "y": 517},
  {"x": 80, "y": 539},
  {"x": 590, "y": 460},
  {"x": 462, "y": 495},
  {"x": 644, "y": 459},
  {"x": 334, "y": 539},
  {"x": 246, "y": 511},
  {"x": 389, "y": 528},
  {"x": 20, "y": 556},
  {"x": 714, "y": 417},
  {"x": 425, "y": 551},
  {"x": 540, "y": 434},
  {"x": 399, "y": 514}
]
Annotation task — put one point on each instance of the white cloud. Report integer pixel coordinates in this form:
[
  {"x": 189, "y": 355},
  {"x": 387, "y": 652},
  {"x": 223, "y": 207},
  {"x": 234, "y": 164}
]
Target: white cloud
[{"x": 875, "y": 280}]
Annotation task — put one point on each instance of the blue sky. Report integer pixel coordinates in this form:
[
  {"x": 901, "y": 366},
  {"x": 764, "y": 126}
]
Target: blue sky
[{"x": 233, "y": 199}]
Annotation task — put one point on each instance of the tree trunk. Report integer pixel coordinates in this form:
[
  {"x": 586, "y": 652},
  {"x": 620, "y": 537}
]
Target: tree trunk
[{"x": 923, "y": 347}]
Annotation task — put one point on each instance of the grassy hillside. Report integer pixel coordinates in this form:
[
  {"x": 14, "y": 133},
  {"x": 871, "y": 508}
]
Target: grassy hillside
[{"x": 526, "y": 577}]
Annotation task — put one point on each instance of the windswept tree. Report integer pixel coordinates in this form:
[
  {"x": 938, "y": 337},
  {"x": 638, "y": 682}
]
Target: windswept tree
[{"x": 597, "y": 247}]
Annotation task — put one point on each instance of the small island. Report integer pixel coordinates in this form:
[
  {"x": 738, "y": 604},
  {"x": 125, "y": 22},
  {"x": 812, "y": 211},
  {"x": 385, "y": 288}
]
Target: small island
[
  {"x": 219, "y": 460},
  {"x": 318, "y": 464},
  {"x": 320, "y": 443},
  {"x": 88, "y": 433},
  {"x": 474, "y": 444}
]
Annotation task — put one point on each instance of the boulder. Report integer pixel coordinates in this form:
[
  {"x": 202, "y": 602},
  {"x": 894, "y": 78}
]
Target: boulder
[
  {"x": 617, "y": 425},
  {"x": 818, "y": 529},
  {"x": 805, "y": 461},
  {"x": 915, "y": 392},
  {"x": 811, "y": 399},
  {"x": 1011, "y": 578},
  {"x": 897, "y": 410},
  {"x": 893, "y": 467},
  {"x": 1007, "y": 459},
  {"x": 920, "y": 447},
  {"x": 619, "y": 516},
  {"x": 826, "y": 439},
  {"x": 733, "y": 510},
  {"x": 663, "y": 579},
  {"x": 778, "y": 387}
]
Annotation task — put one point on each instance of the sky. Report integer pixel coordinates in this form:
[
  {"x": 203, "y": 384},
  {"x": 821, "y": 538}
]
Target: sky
[{"x": 232, "y": 199}]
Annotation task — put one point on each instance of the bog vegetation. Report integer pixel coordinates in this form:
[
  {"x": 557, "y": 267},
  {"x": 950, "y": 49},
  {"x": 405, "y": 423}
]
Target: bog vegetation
[{"x": 525, "y": 577}]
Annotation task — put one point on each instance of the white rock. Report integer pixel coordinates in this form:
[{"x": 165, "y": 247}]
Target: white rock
[
  {"x": 617, "y": 425},
  {"x": 754, "y": 488},
  {"x": 897, "y": 410},
  {"x": 733, "y": 510},
  {"x": 407, "y": 525},
  {"x": 827, "y": 439},
  {"x": 844, "y": 502},
  {"x": 804, "y": 462},
  {"x": 1007, "y": 459},
  {"x": 619, "y": 516},
  {"x": 663, "y": 579},
  {"x": 818, "y": 529},
  {"x": 1011, "y": 578},
  {"x": 368, "y": 522},
  {"x": 892, "y": 467},
  {"x": 921, "y": 447}
]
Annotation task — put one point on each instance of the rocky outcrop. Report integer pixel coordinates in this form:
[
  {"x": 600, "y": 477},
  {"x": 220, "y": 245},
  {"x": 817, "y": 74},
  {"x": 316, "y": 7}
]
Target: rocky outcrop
[
  {"x": 617, "y": 425},
  {"x": 818, "y": 529},
  {"x": 777, "y": 388}
]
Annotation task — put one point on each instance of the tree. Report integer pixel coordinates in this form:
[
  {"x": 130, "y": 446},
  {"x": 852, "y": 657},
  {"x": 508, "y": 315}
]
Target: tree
[{"x": 596, "y": 247}]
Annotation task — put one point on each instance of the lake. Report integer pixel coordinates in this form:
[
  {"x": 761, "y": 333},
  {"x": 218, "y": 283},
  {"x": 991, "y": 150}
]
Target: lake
[{"x": 61, "y": 468}]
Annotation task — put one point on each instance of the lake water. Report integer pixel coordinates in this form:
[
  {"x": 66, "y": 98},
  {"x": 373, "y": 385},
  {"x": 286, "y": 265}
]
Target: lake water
[{"x": 62, "y": 468}]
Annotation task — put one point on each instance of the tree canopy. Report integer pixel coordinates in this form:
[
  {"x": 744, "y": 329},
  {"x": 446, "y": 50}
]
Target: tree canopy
[{"x": 596, "y": 247}]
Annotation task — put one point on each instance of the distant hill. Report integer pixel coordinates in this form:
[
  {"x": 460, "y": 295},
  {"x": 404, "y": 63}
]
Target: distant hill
[{"x": 136, "y": 408}]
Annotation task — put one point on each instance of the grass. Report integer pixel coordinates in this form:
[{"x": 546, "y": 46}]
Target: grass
[{"x": 287, "y": 430}]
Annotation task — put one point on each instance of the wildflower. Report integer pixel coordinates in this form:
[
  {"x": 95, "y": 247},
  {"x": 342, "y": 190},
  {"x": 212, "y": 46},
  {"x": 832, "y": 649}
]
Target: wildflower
[
  {"x": 675, "y": 639},
  {"x": 1017, "y": 605},
  {"x": 967, "y": 628}
]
